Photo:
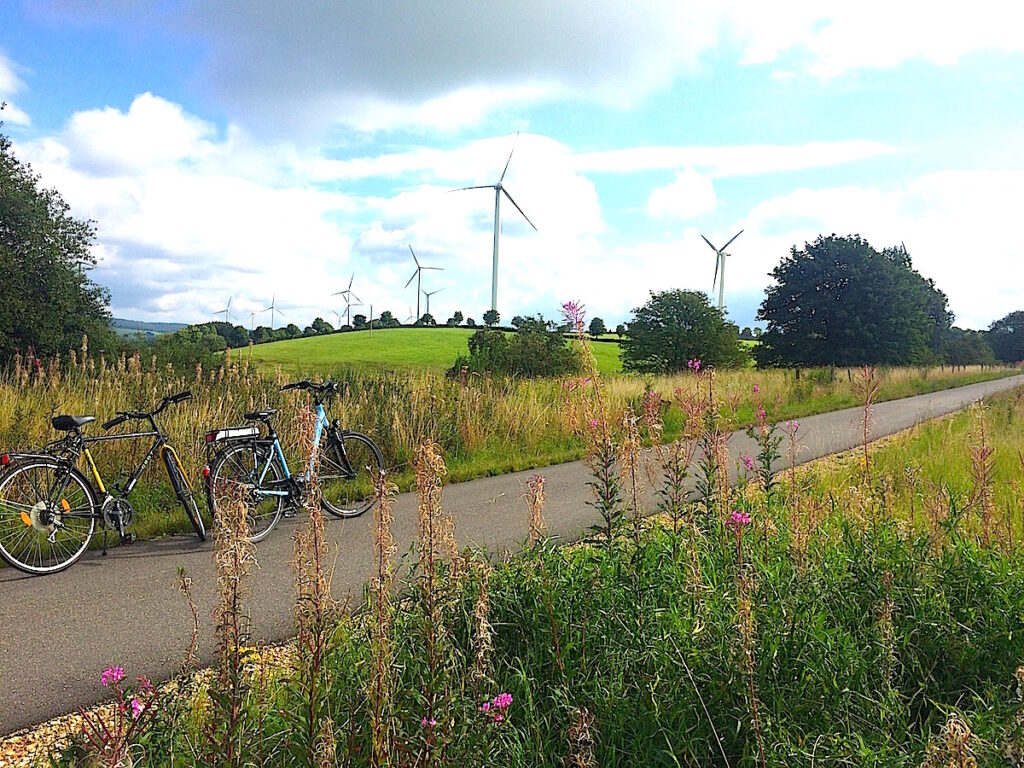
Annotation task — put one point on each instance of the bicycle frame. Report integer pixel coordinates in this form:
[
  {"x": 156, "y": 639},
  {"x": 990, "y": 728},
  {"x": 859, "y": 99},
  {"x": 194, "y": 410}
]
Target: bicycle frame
[
  {"x": 159, "y": 446},
  {"x": 322, "y": 422}
]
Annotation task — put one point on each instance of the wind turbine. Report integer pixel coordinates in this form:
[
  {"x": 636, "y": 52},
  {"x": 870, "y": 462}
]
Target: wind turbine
[
  {"x": 272, "y": 308},
  {"x": 428, "y": 295},
  {"x": 720, "y": 255},
  {"x": 498, "y": 191},
  {"x": 347, "y": 295},
  {"x": 337, "y": 315},
  {"x": 226, "y": 311},
  {"x": 418, "y": 276},
  {"x": 410, "y": 317}
]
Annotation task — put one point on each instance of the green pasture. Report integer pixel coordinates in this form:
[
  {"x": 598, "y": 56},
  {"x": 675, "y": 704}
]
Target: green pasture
[{"x": 388, "y": 348}]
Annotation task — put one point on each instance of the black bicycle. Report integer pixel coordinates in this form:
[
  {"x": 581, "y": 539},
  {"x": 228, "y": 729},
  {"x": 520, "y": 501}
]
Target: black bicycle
[
  {"x": 252, "y": 469},
  {"x": 49, "y": 508}
]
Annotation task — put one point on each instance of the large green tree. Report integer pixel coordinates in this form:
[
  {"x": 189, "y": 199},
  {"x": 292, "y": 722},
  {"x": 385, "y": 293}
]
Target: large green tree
[
  {"x": 47, "y": 300},
  {"x": 838, "y": 301},
  {"x": 674, "y": 327},
  {"x": 1006, "y": 337}
]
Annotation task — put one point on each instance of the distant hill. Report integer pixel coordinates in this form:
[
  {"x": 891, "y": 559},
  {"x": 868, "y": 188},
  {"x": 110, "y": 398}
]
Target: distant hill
[{"x": 131, "y": 327}]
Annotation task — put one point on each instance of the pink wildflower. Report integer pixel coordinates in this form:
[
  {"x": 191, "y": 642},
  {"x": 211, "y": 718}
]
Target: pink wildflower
[
  {"x": 748, "y": 462},
  {"x": 137, "y": 708},
  {"x": 694, "y": 364},
  {"x": 431, "y": 722},
  {"x": 738, "y": 519},
  {"x": 485, "y": 707},
  {"x": 594, "y": 423},
  {"x": 793, "y": 426},
  {"x": 111, "y": 675},
  {"x": 574, "y": 313},
  {"x": 757, "y": 389}
]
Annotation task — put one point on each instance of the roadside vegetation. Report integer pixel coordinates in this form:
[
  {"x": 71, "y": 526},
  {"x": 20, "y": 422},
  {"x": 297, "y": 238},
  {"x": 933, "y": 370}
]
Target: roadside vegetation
[
  {"x": 864, "y": 610},
  {"x": 484, "y": 425}
]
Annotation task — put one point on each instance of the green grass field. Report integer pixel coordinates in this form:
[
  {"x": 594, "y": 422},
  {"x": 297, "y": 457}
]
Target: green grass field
[{"x": 390, "y": 348}]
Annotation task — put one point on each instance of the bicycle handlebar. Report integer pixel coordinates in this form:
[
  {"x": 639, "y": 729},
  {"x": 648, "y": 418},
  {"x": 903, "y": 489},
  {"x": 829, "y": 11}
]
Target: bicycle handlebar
[
  {"x": 328, "y": 387},
  {"x": 123, "y": 416}
]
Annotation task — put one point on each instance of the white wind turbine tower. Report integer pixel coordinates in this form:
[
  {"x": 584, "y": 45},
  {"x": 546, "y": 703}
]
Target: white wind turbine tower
[
  {"x": 271, "y": 309},
  {"x": 720, "y": 255},
  {"x": 418, "y": 277},
  {"x": 348, "y": 296},
  {"x": 428, "y": 294},
  {"x": 409, "y": 316},
  {"x": 499, "y": 190},
  {"x": 337, "y": 315},
  {"x": 226, "y": 311}
]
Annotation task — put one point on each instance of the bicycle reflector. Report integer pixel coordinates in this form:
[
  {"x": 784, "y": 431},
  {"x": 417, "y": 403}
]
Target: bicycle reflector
[
  {"x": 5, "y": 459},
  {"x": 206, "y": 471}
]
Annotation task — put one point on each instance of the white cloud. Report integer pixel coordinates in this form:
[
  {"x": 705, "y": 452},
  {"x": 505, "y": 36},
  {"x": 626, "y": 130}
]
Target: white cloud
[
  {"x": 740, "y": 160},
  {"x": 689, "y": 196},
  {"x": 10, "y": 86},
  {"x": 152, "y": 133}
]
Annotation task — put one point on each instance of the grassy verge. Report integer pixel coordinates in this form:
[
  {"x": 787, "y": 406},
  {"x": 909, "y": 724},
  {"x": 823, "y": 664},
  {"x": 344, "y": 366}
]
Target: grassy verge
[
  {"x": 835, "y": 626},
  {"x": 484, "y": 426}
]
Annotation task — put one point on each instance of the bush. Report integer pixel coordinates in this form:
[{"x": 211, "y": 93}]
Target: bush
[{"x": 537, "y": 348}]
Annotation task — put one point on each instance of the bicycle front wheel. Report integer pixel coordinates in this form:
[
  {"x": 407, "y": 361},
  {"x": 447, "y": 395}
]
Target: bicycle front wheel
[
  {"x": 235, "y": 478},
  {"x": 184, "y": 492},
  {"x": 47, "y": 516},
  {"x": 348, "y": 468}
]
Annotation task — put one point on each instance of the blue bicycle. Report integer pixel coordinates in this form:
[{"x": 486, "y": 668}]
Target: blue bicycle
[{"x": 251, "y": 468}]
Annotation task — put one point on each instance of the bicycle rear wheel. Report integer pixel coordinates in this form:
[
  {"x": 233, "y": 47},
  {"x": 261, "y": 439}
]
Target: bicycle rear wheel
[
  {"x": 184, "y": 492},
  {"x": 47, "y": 516},
  {"x": 348, "y": 468},
  {"x": 235, "y": 479}
]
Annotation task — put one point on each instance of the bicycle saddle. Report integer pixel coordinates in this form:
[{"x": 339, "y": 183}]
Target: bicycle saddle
[
  {"x": 69, "y": 423},
  {"x": 261, "y": 415}
]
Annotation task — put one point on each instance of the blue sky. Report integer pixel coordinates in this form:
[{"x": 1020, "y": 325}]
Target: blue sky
[{"x": 258, "y": 149}]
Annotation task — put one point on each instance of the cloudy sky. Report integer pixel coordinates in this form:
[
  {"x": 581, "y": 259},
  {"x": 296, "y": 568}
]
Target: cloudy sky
[{"x": 259, "y": 149}]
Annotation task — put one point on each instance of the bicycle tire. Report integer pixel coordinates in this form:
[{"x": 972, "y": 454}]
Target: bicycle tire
[
  {"x": 183, "y": 491},
  {"x": 236, "y": 469},
  {"x": 21, "y": 494},
  {"x": 348, "y": 469}
]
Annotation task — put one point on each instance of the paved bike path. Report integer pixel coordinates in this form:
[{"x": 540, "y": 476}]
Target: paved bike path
[{"x": 57, "y": 633}]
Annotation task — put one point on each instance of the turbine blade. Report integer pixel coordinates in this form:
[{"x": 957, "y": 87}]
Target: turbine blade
[
  {"x": 710, "y": 246},
  {"x": 282, "y": 314},
  {"x": 411, "y": 278},
  {"x": 350, "y": 280},
  {"x": 519, "y": 209},
  {"x": 715, "y": 279},
  {"x": 733, "y": 238},
  {"x": 414, "y": 256},
  {"x": 514, "y": 141},
  {"x": 481, "y": 186},
  {"x": 439, "y": 268}
]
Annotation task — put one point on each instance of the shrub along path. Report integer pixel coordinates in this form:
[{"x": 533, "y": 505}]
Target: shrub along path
[{"x": 58, "y": 632}]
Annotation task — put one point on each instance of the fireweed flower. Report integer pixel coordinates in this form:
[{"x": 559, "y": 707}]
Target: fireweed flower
[
  {"x": 111, "y": 675},
  {"x": 748, "y": 462},
  {"x": 738, "y": 519},
  {"x": 757, "y": 389},
  {"x": 574, "y": 313},
  {"x": 137, "y": 708},
  {"x": 694, "y": 364},
  {"x": 431, "y": 722},
  {"x": 792, "y": 426}
]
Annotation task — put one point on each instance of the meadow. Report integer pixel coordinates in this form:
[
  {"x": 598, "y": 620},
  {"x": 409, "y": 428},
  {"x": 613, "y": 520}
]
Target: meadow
[
  {"x": 485, "y": 426},
  {"x": 398, "y": 349},
  {"x": 863, "y": 610}
]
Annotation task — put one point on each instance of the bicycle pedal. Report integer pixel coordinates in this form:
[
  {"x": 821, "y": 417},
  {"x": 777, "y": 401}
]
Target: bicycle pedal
[{"x": 128, "y": 538}]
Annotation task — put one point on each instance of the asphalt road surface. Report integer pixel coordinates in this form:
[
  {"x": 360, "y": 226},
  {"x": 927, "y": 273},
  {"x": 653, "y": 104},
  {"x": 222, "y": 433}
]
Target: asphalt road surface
[{"x": 57, "y": 633}]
